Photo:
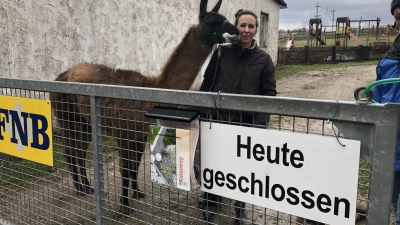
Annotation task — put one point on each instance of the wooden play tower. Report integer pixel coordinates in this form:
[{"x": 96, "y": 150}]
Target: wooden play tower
[
  {"x": 343, "y": 31},
  {"x": 315, "y": 30},
  {"x": 341, "y": 36}
]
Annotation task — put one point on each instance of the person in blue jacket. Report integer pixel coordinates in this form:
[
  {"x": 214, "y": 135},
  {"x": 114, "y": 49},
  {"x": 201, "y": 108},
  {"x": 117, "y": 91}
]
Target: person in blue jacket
[{"x": 389, "y": 67}]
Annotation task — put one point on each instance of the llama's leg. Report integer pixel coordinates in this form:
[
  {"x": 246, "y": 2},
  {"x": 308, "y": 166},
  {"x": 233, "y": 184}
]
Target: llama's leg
[
  {"x": 85, "y": 181},
  {"x": 136, "y": 156},
  {"x": 83, "y": 146},
  {"x": 72, "y": 165},
  {"x": 83, "y": 174},
  {"x": 125, "y": 168},
  {"x": 68, "y": 119},
  {"x": 76, "y": 142},
  {"x": 125, "y": 173}
]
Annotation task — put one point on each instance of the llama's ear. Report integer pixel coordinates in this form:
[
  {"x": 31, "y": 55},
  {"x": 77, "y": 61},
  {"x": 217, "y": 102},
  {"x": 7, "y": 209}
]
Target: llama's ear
[
  {"x": 203, "y": 8},
  {"x": 217, "y": 6}
]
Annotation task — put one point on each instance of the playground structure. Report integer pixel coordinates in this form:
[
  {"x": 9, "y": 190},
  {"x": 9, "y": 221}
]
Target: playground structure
[
  {"x": 317, "y": 36},
  {"x": 344, "y": 33},
  {"x": 315, "y": 30},
  {"x": 384, "y": 35}
]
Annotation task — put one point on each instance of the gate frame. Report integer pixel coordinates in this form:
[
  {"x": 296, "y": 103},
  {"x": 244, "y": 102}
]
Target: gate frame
[{"x": 381, "y": 126}]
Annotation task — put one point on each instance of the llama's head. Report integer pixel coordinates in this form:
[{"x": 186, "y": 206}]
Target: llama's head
[{"x": 213, "y": 25}]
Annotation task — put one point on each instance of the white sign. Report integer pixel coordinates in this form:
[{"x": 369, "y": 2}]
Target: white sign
[{"x": 300, "y": 174}]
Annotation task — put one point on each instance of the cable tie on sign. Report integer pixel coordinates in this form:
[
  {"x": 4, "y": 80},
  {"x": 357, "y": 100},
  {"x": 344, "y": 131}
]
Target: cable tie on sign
[
  {"x": 209, "y": 113},
  {"x": 333, "y": 128},
  {"x": 217, "y": 103}
]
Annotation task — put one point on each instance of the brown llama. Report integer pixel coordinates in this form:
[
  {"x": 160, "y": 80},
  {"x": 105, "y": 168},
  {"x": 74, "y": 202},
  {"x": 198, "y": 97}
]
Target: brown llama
[{"x": 73, "y": 112}]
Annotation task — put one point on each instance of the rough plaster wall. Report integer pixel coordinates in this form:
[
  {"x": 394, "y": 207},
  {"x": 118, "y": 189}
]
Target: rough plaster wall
[{"x": 40, "y": 39}]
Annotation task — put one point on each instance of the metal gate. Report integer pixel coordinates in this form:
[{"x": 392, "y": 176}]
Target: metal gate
[{"x": 31, "y": 193}]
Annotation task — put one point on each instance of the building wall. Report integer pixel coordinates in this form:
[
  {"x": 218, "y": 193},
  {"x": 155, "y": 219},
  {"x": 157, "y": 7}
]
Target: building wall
[{"x": 40, "y": 39}]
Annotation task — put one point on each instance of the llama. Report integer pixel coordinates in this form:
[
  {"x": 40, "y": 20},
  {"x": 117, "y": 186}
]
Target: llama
[{"x": 73, "y": 112}]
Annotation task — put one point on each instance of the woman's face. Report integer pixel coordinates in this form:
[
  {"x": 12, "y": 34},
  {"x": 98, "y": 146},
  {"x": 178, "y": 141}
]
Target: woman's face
[{"x": 247, "y": 29}]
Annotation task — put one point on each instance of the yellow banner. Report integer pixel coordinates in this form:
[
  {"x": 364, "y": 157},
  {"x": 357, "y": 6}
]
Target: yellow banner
[{"x": 26, "y": 129}]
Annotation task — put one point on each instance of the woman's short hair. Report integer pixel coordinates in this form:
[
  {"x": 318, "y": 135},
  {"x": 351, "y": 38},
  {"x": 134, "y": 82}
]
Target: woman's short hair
[{"x": 242, "y": 12}]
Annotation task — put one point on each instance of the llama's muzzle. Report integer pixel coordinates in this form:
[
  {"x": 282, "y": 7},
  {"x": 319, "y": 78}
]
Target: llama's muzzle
[{"x": 230, "y": 38}]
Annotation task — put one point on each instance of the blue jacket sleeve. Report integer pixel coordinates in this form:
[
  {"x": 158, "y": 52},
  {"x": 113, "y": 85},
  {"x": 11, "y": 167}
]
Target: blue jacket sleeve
[{"x": 378, "y": 90}]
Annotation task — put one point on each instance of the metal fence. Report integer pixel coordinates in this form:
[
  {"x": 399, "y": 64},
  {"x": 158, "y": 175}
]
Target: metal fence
[
  {"x": 34, "y": 194},
  {"x": 318, "y": 55}
]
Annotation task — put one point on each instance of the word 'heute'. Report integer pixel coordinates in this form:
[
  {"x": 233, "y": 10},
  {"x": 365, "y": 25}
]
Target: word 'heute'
[{"x": 295, "y": 158}]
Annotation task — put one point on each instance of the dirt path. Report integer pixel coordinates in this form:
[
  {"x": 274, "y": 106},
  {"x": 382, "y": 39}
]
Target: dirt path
[{"x": 329, "y": 84}]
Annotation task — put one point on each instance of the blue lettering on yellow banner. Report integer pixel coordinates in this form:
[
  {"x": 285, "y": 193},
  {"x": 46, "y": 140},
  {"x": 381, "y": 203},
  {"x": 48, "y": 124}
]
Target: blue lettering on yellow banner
[{"x": 26, "y": 129}]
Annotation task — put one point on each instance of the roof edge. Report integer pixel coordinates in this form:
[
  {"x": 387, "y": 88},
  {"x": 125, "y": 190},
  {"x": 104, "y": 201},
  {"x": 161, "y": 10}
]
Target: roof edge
[{"x": 282, "y": 3}]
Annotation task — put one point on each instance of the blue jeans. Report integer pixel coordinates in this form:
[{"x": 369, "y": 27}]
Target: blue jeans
[{"x": 396, "y": 197}]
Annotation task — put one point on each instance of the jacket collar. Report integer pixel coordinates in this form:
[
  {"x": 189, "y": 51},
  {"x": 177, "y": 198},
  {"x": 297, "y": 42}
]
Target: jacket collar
[
  {"x": 253, "y": 44},
  {"x": 240, "y": 50}
]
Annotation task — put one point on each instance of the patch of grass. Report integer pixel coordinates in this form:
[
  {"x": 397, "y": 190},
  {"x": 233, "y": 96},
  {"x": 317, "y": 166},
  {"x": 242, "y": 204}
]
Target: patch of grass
[
  {"x": 364, "y": 177},
  {"x": 308, "y": 87},
  {"x": 288, "y": 70},
  {"x": 109, "y": 145},
  {"x": 17, "y": 171}
]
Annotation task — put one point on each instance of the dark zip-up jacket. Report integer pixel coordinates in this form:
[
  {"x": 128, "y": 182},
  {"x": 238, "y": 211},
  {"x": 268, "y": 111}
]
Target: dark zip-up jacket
[{"x": 242, "y": 71}]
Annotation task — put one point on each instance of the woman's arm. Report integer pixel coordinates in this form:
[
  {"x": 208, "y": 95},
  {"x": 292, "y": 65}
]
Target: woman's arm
[
  {"x": 267, "y": 81},
  {"x": 268, "y": 88}
]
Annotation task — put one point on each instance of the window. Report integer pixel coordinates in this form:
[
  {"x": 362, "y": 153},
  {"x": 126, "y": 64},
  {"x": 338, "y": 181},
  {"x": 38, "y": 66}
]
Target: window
[{"x": 263, "y": 29}]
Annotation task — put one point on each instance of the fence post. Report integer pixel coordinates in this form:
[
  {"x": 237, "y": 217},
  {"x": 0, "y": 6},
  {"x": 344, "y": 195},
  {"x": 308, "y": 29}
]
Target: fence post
[
  {"x": 360, "y": 53},
  {"x": 333, "y": 54},
  {"x": 381, "y": 184},
  {"x": 306, "y": 54},
  {"x": 97, "y": 159},
  {"x": 279, "y": 56}
]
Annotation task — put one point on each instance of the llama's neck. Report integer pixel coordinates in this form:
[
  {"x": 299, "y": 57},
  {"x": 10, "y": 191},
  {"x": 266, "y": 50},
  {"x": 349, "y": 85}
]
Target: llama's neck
[{"x": 185, "y": 62}]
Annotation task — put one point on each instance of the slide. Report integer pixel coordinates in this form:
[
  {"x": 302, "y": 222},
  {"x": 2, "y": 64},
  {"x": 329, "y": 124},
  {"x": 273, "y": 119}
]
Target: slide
[{"x": 355, "y": 38}]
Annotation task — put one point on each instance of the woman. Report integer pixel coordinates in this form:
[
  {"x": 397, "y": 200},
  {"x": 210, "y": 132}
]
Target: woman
[{"x": 243, "y": 68}]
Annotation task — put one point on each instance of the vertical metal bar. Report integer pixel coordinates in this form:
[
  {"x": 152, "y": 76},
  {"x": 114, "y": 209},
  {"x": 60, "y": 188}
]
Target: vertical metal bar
[
  {"x": 383, "y": 162},
  {"x": 97, "y": 159}
]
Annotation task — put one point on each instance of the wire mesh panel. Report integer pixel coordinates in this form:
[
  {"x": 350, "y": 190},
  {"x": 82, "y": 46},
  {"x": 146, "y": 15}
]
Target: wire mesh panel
[
  {"x": 33, "y": 193},
  {"x": 101, "y": 172}
]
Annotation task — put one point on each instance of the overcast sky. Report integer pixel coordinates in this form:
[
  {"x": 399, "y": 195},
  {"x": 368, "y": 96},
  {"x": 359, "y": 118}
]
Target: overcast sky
[{"x": 299, "y": 12}]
